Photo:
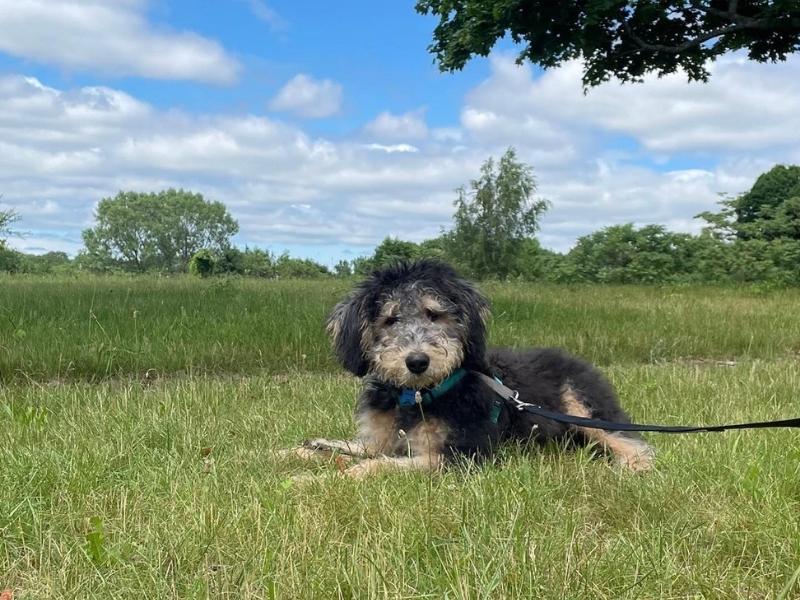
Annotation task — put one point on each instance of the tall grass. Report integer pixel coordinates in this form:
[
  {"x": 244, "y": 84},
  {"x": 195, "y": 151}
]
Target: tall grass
[{"x": 93, "y": 328}]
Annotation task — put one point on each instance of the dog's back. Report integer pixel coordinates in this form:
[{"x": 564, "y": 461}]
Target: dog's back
[{"x": 564, "y": 383}]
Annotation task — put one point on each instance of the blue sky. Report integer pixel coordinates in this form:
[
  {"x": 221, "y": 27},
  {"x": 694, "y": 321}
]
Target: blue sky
[
  {"x": 377, "y": 55},
  {"x": 326, "y": 126}
]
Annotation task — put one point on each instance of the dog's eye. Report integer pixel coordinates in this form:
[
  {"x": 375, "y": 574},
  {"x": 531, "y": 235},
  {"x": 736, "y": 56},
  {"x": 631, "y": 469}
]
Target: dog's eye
[
  {"x": 432, "y": 315},
  {"x": 389, "y": 321}
]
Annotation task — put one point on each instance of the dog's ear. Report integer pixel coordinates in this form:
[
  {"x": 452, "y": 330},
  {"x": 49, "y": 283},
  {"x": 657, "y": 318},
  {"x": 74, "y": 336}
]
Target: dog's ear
[
  {"x": 346, "y": 326},
  {"x": 476, "y": 313}
]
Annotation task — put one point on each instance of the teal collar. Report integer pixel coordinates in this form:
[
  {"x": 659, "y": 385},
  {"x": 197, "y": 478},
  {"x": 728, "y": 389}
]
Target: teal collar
[{"x": 410, "y": 397}]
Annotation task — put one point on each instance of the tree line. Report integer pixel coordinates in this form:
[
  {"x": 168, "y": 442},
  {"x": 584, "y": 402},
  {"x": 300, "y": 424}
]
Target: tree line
[{"x": 754, "y": 237}]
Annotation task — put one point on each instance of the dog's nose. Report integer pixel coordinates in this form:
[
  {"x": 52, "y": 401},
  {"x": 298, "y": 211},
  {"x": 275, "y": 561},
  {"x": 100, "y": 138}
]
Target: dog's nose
[{"x": 417, "y": 362}]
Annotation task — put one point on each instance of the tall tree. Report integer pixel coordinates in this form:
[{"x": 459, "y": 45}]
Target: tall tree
[
  {"x": 494, "y": 215},
  {"x": 616, "y": 38},
  {"x": 163, "y": 230}
]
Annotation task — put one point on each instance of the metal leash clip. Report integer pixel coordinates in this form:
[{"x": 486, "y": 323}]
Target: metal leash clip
[{"x": 519, "y": 404}]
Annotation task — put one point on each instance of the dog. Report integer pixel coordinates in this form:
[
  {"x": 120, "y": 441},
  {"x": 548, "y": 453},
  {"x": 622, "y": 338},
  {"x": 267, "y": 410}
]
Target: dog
[{"x": 415, "y": 332}]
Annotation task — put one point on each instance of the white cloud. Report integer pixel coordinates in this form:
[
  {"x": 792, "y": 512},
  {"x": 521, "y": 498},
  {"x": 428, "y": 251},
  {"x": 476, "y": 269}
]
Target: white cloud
[
  {"x": 63, "y": 150},
  {"x": 745, "y": 106},
  {"x": 391, "y": 148},
  {"x": 308, "y": 97},
  {"x": 388, "y": 126},
  {"x": 267, "y": 14},
  {"x": 69, "y": 148},
  {"x": 111, "y": 37}
]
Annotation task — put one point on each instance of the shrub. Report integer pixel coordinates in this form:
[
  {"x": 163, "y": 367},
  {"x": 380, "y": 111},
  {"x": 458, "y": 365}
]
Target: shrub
[{"x": 202, "y": 263}]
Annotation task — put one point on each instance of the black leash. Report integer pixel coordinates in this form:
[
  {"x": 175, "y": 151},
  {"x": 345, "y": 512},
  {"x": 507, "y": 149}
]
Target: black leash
[{"x": 512, "y": 399}]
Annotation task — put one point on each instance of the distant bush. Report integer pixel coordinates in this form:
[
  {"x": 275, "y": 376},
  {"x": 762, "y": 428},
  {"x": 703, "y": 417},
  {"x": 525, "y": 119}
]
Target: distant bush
[
  {"x": 202, "y": 263},
  {"x": 287, "y": 267},
  {"x": 10, "y": 260}
]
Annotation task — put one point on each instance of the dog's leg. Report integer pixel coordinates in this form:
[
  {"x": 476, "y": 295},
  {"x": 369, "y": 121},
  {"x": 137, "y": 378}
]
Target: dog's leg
[
  {"x": 377, "y": 431},
  {"x": 313, "y": 450},
  {"x": 372, "y": 466},
  {"x": 423, "y": 446},
  {"x": 353, "y": 448},
  {"x": 631, "y": 453},
  {"x": 376, "y": 436}
]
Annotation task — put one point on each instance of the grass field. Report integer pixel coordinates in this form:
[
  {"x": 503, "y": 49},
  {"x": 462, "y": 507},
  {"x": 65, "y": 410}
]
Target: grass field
[{"x": 140, "y": 421}]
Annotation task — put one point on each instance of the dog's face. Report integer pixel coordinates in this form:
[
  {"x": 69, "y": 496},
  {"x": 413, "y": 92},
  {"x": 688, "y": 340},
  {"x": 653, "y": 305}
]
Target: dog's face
[{"x": 411, "y": 325}]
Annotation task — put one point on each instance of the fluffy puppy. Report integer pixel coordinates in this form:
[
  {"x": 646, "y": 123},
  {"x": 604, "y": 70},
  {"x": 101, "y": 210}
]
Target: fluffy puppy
[{"x": 416, "y": 333}]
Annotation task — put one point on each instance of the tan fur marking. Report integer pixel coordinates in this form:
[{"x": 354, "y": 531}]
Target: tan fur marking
[
  {"x": 335, "y": 328},
  {"x": 426, "y": 439},
  {"x": 432, "y": 304},
  {"x": 390, "y": 309},
  {"x": 631, "y": 453},
  {"x": 348, "y": 447},
  {"x": 385, "y": 463},
  {"x": 377, "y": 432},
  {"x": 423, "y": 447}
]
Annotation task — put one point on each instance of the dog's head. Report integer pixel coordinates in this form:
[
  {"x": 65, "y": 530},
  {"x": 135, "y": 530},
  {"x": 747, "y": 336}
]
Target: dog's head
[{"x": 411, "y": 325}]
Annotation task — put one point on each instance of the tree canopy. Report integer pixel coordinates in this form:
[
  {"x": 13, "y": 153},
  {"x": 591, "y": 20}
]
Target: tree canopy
[
  {"x": 616, "y": 38},
  {"x": 141, "y": 231}
]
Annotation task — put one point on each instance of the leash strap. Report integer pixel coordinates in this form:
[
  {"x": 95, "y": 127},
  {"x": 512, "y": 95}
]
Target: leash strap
[{"x": 512, "y": 399}]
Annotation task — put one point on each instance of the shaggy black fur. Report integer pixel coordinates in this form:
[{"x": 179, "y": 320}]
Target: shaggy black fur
[{"x": 541, "y": 375}]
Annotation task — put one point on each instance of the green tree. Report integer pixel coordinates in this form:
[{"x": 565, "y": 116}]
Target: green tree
[
  {"x": 10, "y": 260},
  {"x": 493, "y": 216},
  {"x": 768, "y": 193},
  {"x": 48, "y": 262},
  {"x": 534, "y": 263},
  {"x": 623, "y": 254},
  {"x": 774, "y": 261},
  {"x": 616, "y": 38},
  {"x": 435, "y": 248},
  {"x": 258, "y": 263},
  {"x": 229, "y": 261},
  {"x": 287, "y": 267},
  {"x": 392, "y": 250},
  {"x": 7, "y": 217},
  {"x": 711, "y": 259},
  {"x": 770, "y": 210},
  {"x": 141, "y": 231},
  {"x": 343, "y": 268},
  {"x": 363, "y": 265}
]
